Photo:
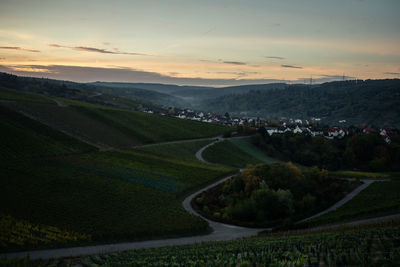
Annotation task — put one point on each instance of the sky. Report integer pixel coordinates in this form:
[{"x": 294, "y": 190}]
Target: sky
[{"x": 212, "y": 43}]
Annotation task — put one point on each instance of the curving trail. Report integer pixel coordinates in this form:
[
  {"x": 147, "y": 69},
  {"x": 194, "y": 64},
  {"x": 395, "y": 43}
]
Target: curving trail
[{"x": 220, "y": 231}]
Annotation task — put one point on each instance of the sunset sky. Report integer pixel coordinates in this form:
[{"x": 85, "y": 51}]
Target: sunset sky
[{"x": 201, "y": 42}]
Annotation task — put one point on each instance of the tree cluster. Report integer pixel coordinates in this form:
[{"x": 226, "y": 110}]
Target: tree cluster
[
  {"x": 271, "y": 193},
  {"x": 358, "y": 151}
]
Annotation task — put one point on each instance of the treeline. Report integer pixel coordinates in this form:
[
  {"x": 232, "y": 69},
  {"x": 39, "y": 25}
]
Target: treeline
[
  {"x": 357, "y": 151},
  {"x": 370, "y": 102}
]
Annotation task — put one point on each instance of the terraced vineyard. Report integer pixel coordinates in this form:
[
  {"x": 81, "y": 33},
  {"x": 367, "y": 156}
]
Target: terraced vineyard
[
  {"x": 227, "y": 153},
  {"x": 19, "y": 233},
  {"x": 149, "y": 128},
  {"x": 53, "y": 181},
  {"x": 117, "y": 128},
  {"x": 23, "y": 138},
  {"x": 380, "y": 198},
  {"x": 112, "y": 196},
  {"x": 357, "y": 247},
  {"x": 183, "y": 150}
]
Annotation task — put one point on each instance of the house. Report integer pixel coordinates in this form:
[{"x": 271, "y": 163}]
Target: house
[
  {"x": 271, "y": 130},
  {"x": 287, "y": 130},
  {"x": 297, "y": 130},
  {"x": 385, "y": 136}
]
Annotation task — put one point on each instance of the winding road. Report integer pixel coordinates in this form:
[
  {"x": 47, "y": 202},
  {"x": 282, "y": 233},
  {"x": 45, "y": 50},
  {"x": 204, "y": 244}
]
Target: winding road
[{"x": 219, "y": 232}]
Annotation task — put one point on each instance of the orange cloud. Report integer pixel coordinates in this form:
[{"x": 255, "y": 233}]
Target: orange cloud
[{"x": 19, "y": 48}]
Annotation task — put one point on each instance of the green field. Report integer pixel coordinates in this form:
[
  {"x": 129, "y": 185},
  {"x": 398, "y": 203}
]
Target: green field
[
  {"x": 12, "y": 95},
  {"x": 183, "y": 150},
  {"x": 247, "y": 147},
  {"x": 356, "y": 247},
  {"x": 229, "y": 154},
  {"x": 378, "y": 199}
]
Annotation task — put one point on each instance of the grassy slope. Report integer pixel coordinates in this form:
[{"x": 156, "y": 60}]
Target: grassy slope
[
  {"x": 380, "y": 198},
  {"x": 150, "y": 128},
  {"x": 12, "y": 95},
  {"x": 247, "y": 147},
  {"x": 184, "y": 151},
  {"x": 227, "y": 153}
]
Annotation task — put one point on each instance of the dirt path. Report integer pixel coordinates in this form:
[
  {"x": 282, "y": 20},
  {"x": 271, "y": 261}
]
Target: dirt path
[
  {"x": 344, "y": 200},
  {"x": 60, "y": 103},
  {"x": 178, "y": 142}
]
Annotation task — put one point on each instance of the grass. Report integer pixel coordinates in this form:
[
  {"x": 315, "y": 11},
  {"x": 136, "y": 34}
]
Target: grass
[
  {"x": 227, "y": 153},
  {"x": 183, "y": 150},
  {"x": 13, "y": 95},
  {"x": 377, "y": 246},
  {"x": 247, "y": 147},
  {"x": 380, "y": 198}
]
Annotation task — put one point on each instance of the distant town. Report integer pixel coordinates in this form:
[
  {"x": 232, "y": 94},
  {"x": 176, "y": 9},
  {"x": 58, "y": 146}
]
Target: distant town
[{"x": 313, "y": 127}]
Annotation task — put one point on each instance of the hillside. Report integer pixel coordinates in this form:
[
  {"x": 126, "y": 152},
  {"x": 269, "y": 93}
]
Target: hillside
[
  {"x": 193, "y": 95},
  {"x": 370, "y": 102},
  {"x": 105, "y": 126},
  {"x": 62, "y": 192}
]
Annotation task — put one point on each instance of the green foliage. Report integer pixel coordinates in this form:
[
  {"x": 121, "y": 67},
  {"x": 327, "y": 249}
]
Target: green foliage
[
  {"x": 379, "y": 198},
  {"x": 274, "y": 193},
  {"x": 361, "y": 151},
  {"x": 357, "y": 247},
  {"x": 227, "y": 153}
]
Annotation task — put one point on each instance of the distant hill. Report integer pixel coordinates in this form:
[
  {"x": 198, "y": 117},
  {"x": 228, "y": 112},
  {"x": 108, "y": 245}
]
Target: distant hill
[
  {"x": 193, "y": 95},
  {"x": 370, "y": 102},
  {"x": 90, "y": 92}
]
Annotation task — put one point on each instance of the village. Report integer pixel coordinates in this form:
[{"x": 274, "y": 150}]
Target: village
[{"x": 312, "y": 127}]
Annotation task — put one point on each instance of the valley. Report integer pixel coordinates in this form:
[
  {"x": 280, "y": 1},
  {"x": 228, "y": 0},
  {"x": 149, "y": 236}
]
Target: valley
[{"x": 82, "y": 178}]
